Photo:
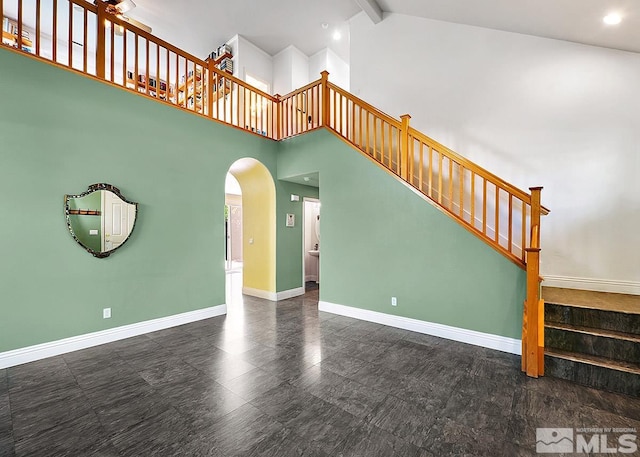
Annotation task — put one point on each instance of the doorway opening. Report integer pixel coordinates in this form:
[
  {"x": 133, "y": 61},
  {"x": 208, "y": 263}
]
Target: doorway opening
[
  {"x": 311, "y": 243},
  {"x": 250, "y": 231},
  {"x": 232, "y": 224}
]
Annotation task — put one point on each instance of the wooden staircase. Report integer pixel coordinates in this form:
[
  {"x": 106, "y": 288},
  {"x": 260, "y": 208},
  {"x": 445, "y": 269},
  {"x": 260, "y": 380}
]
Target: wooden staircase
[{"x": 593, "y": 338}]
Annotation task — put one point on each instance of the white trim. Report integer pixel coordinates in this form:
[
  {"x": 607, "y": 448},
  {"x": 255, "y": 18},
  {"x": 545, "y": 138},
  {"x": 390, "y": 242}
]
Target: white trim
[
  {"x": 487, "y": 340},
  {"x": 306, "y": 277},
  {"x": 273, "y": 296},
  {"x": 259, "y": 293},
  {"x": 75, "y": 343},
  {"x": 290, "y": 293},
  {"x": 597, "y": 285}
]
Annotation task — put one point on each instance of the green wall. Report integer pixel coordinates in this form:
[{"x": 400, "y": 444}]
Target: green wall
[
  {"x": 379, "y": 240},
  {"x": 60, "y": 132},
  {"x": 289, "y": 239}
]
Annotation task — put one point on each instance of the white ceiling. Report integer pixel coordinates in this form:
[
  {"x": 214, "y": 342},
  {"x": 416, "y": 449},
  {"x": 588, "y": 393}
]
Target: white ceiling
[
  {"x": 571, "y": 20},
  {"x": 199, "y": 26}
]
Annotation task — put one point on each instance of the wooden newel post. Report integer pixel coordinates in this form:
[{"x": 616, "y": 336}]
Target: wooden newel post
[
  {"x": 326, "y": 99},
  {"x": 101, "y": 47},
  {"x": 536, "y": 211},
  {"x": 278, "y": 134},
  {"x": 533, "y": 328},
  {"x": 404, "y": 147}
]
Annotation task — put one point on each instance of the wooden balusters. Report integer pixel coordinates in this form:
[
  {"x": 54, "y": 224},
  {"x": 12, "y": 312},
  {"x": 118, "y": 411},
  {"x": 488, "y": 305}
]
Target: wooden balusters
[
  {"x": 20, "y": 22},
  {"x": 1, "y": 19},
  {"x": 404, "y": 147},
  {"x": 101, "y": 50},
  {"x": 38, "y": 27}
]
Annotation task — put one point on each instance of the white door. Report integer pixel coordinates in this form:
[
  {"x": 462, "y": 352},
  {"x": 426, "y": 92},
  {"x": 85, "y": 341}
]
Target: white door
[{"x": 117, "y": 219}]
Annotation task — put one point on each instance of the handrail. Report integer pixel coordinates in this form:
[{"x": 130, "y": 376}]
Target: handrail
[
  {"x": 240, "y": 82},
  {"x": 302, "y": 89},
  {"x": 504, "y": 216},
  {"x": 497, "y": 211},
  {"x": 469, "y": 165},
  {"x": 370, "y": 108},
  {"x": 144, "y": 34}
]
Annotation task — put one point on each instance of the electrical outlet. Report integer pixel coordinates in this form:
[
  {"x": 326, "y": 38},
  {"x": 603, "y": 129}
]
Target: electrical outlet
[
  {"x": 394, "y": 301},
  {"x": 106, "y": 313}
]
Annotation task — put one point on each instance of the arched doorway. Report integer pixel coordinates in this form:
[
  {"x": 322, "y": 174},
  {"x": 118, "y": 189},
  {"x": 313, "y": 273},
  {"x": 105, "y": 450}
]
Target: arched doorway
[{"x": 258, "y": 227}]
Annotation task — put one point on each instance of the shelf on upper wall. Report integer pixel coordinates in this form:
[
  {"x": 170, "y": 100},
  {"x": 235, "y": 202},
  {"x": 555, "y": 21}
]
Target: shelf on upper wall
[
  {"x": 217, "y": 60},
  {"x": 153, "y": 90},
  {"x": 12, "y": 40},
  {"x": 85, "y": 212},
  {"x": 222, "y": 62}
]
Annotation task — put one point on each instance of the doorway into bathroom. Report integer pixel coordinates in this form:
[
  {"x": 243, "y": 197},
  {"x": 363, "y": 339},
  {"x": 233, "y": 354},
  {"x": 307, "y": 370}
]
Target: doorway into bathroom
[{"x": 311, "y": 243}]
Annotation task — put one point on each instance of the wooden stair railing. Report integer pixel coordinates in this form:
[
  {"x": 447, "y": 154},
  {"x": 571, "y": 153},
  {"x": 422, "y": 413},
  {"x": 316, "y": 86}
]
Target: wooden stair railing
[
  {"x": 505, "y": 217},
  {"x": 119, "y": 53}
]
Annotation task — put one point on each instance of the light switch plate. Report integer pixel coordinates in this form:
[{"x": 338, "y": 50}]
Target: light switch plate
[
  {"x": 291, "y": 220},
  {"x": 93, "y": 232}
]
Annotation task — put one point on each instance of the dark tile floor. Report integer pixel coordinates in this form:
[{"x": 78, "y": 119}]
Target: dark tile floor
[{"x": 286, "y": 380}]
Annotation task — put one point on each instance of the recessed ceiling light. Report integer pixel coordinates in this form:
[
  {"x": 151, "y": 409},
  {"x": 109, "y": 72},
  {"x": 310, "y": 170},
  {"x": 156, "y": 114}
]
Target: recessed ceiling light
[
  {"x": 612, "y": 19},
  {"x": 325, "y": 26},
  {"x": 337, "y": 35}
]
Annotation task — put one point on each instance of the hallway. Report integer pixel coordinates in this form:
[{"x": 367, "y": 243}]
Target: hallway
[{"x": 282, "y": 379}]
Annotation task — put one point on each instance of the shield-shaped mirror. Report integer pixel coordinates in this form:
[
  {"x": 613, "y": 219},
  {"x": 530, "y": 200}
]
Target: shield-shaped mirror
[{"x": 101, "y": 219}]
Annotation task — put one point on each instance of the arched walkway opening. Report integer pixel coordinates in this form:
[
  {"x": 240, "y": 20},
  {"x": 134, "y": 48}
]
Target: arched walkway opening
[{"x": 258, "y": 227}]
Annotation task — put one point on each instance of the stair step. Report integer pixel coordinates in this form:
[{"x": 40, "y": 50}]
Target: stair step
[
  {"x": 578, "y": 316},
  {"x": 593, "y": 371},
  {"x": 604, "y": 301},
  {"x": 595, "y": 360},
  {"x": 594, "y": 331}
]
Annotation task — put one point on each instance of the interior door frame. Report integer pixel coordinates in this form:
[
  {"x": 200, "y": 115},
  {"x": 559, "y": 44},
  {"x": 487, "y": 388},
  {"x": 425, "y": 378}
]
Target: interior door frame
[{"x": 304, "y": 237}]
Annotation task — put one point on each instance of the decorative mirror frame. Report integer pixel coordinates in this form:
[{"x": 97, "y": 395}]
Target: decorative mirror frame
[{"x": 90, "y": 189}]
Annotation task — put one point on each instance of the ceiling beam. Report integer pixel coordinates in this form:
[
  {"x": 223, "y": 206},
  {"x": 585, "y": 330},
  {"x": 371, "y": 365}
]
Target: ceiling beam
[{"x": 372, "y": 9}]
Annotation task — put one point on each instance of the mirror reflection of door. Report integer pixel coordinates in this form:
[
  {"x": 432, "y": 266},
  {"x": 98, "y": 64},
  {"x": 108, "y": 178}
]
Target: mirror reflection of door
[{"x": 117, "y": 220}]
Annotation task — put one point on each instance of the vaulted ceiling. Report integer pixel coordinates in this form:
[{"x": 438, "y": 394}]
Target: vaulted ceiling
[{"x": 199, "y": 26}]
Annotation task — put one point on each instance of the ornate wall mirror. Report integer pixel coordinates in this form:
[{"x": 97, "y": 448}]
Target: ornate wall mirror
[{"x": 100, "y": 219}]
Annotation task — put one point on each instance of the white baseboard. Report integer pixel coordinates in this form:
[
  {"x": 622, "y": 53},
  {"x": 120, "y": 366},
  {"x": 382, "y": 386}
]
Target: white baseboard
[
  {"x": 487, "y": 340},
  {"x": 308, "y": 278},
  {"x": 259, "y": 293},
  {"x": 273, "y": 296},
  {"x": 290, "y": 293},
  {"x": 597, "y": 285},
  {"x": 75, "y": 343}
]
